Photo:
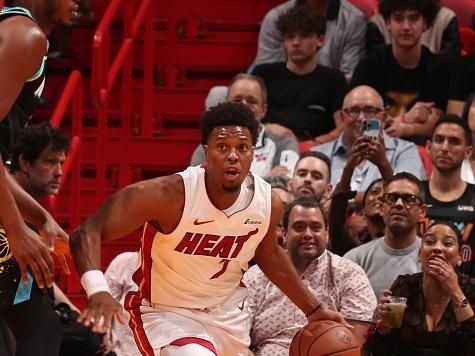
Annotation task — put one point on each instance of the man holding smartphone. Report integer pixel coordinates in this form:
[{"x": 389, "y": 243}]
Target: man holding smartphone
[{"x": 363, "y": 154}]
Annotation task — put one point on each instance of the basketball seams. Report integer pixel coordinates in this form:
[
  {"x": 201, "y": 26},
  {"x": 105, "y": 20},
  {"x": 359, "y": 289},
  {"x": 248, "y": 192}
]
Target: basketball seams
[
  {"x": 318, "y": 336},
  {"x": 322, "y": 338}
]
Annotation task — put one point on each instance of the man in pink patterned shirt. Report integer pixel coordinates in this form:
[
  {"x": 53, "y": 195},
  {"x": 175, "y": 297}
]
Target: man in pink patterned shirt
[{"x": 339, "y": 284}]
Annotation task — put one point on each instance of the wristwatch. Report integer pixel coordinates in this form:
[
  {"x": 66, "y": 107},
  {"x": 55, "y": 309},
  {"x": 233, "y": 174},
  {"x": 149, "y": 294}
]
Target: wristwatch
[{"x": 462, "y": 303}]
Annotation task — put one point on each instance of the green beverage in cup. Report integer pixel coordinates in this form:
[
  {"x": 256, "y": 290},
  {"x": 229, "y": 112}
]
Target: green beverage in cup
[{"x": 397, "y": 305}]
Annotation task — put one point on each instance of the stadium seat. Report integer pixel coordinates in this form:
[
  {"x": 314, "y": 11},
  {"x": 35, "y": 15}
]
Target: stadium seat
[
  {"x": 465, "y": 9},
  {"x": 467, "y": 37}
]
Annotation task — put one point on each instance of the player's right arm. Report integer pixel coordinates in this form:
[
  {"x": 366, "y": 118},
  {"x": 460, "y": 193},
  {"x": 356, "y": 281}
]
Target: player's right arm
[
  {"x": 277, "y": 266},
  {"x": 160, "y": 200},
  {"x": 22, "y": 47}
]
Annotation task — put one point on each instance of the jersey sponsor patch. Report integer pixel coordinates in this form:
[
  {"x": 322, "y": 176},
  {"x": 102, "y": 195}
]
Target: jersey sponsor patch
[{"x": 252, "y": 222}]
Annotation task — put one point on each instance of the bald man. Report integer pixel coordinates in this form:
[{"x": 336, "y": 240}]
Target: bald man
[{"x": 368, "y": 159}]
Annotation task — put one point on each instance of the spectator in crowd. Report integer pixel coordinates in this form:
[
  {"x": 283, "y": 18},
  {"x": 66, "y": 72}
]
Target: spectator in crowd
[
  {"x": 344, "y": 36},
  {"x": 359, "y": 227},
  {"x": 304, "y": 95},
  {"x": 468, "y": 114},
  {"x": 274, "y": 155},
  {"x": 337, "y": 282},
  {"x": 311, "y": 177},
  {"x": 438, "y": 319},
  {"x": 39, "y": 175},
  {"x": 36, "y": 165},
  {"x": 442, "y": 37},
  {"x": 413, "y": 81},
  {"x": 397, "y": 251},
  {"x": 462, "y": 83},
  {"x": 119, "y": 278},
  {"x": 447, "y": 195},
  {"x": 365, "y": 158},
  {"x": 37, "y": 159}
]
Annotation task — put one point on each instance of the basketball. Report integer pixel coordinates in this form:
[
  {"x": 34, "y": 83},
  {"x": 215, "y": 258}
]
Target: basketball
[{"x": 324, "y": 338}]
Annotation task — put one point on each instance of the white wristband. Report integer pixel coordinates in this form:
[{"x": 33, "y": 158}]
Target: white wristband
[{"x": 94, "y": 281}]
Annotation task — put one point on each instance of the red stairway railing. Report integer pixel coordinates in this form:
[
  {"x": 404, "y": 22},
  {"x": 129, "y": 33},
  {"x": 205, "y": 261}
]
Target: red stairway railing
[
  {"x": 104, "y": 74},
  {"x": 73, "y": 94}
]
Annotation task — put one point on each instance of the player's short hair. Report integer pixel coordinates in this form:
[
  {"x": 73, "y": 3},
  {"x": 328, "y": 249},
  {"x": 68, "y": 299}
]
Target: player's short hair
[
  {"x": 228, "y": 114},
  {"x": 300, "y": 19},
  {"x": 456, "y": 120},
  {"x": 406, "y": 176},
  {"x": 306, "y": 202},
  {"x": 258, "y": 80},
  {"x": 318, "y": 155},
  {"x": 34, "y": 139},
  {"x": 427, "y": 8}
]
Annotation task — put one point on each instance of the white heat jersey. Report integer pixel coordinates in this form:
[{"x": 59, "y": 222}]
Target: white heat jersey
[{"x": 199, "y": 264}]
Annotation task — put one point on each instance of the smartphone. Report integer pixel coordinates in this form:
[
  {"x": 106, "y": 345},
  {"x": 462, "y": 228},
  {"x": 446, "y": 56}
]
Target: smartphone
[{"x": 370, "y": 128}]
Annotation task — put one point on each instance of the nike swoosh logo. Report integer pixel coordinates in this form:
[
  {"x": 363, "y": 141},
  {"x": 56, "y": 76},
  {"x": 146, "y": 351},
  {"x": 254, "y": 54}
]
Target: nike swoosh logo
[{"x": 196, "y": 222}]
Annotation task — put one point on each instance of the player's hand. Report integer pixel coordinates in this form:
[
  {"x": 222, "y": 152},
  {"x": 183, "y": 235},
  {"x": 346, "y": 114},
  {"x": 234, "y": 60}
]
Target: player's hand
[
  {"x": 100, "y": 309},
  {"x": 328, "y": 314},
  {"x": 57, "y": 241},
  {"x": 31, "y": 254}
]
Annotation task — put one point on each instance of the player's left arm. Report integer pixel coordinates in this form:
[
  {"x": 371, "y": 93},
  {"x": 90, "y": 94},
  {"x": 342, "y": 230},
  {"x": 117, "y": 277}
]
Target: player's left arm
[{"x": 277, "y": 266}]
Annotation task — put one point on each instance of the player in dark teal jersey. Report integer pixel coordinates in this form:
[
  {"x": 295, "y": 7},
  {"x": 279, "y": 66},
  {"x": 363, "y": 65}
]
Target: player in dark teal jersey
[{"x": 24, "y": 26}]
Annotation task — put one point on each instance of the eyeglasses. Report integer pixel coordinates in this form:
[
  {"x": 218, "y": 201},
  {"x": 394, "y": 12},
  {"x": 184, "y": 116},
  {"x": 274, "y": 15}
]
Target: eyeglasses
[
  {"x": 368, "y": 112},
  {"x": 409, "y": 200}
]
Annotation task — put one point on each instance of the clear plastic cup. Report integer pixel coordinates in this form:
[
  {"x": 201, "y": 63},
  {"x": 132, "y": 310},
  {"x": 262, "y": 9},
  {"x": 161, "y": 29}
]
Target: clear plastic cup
[{"x": 397, "y": 305}]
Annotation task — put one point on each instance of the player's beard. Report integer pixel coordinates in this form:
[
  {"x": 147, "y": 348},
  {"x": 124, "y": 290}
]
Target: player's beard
[{"x": 450, "y": 168}]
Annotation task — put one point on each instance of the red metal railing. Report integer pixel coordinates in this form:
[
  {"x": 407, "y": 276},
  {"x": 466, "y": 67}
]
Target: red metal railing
[
  {"x": 73, "y": 94},
  {"x": 104, "y": 74}
]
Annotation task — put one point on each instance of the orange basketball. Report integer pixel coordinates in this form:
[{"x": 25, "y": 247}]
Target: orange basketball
[{"x": 324, "y": 338}]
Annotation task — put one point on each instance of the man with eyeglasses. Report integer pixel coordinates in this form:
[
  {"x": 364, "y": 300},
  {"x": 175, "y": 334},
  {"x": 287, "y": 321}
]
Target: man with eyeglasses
[
  {"x": 448, "y": 196},
  {"x": 397, "y": 251},
  {"x": 362, "y": 158},
  {"x": 413, "y": 81}
]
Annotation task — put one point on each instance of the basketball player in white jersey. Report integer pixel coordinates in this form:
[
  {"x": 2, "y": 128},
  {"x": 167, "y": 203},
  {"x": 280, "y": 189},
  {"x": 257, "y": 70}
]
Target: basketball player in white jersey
[{"x": 203, "y": 225}]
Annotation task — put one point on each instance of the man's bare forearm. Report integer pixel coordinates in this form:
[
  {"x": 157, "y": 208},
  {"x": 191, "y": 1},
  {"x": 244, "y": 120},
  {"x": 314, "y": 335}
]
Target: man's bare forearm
[{"x": 85, "y": 246}]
